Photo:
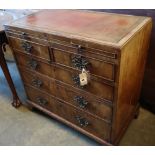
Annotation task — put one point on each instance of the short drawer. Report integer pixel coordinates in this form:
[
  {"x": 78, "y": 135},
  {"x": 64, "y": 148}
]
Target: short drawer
[
  {"x": 94, "y": 66},
  {"x": 38, "y": 81},
  {"x": 32, "y": 48},
  {"x": 34, "y": 64},
  {"x": 95, "y": 85},
  {"x": 84, "y": 102}
]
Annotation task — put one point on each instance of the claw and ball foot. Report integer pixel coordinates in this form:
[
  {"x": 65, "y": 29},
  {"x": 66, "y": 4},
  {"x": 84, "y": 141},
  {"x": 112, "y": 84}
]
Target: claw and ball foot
[{"x": 16, "y": 102}]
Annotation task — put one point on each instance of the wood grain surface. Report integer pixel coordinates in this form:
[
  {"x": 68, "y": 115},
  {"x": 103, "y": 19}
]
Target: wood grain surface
[
  {"x": 111, "y": 47},
  {"x": 82, "y": 24}
]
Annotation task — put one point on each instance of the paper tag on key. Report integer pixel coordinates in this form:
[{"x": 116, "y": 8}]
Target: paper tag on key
[{"x": 84, "y": 77}]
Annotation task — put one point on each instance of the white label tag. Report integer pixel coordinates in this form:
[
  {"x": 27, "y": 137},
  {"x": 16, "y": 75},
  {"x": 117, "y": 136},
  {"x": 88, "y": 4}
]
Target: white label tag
[{"x": 84, "y": 77}]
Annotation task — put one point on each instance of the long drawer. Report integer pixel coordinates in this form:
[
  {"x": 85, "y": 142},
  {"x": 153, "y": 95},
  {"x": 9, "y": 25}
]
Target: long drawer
[
  {"x": 85, "y": 101},
  {"x": 95, "y": 85},
  {"x": 83, "y": 120}
]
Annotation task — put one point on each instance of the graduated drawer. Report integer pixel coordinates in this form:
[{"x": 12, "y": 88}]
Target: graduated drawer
[
  {"x": 32, "y": 48},
  {"x": 34, "y": 64},
  {"x": 85, "y": 101},
  {"x": 95, "y": 86},
  {"x": 38, "y": 81},
  {"x": 81, "y": 119},
  {"x": 73, "y": 96},
  {"x": 95, "y": 66}
]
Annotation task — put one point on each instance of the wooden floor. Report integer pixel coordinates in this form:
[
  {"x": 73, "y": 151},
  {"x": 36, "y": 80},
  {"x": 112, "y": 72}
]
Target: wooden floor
[{"x": 24, "y": 127}]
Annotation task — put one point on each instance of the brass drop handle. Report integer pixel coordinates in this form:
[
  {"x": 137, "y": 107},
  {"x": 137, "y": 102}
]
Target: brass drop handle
[
  {"x": 37, "y": 83},
  {"x": 32, "y": 64},
  {"x": 82, "y": 103},
  {"x": 76, "y": 80},
  {"x": 27, "y": 47},
  {"x": 82, "y": 121},
  {"x": 41, "y": 101},
  {"x": 80, "y": 62}
]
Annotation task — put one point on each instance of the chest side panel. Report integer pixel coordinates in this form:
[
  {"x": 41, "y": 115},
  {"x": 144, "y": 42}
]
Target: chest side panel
[{"x": 132, "y": 66}]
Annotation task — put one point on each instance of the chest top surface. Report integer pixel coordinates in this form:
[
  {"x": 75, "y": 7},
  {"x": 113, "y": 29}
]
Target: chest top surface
[{"x": 94, "y": 26}]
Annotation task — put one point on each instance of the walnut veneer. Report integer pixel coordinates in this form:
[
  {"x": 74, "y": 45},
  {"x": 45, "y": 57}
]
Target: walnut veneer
[{"x": 52, "y": 47}]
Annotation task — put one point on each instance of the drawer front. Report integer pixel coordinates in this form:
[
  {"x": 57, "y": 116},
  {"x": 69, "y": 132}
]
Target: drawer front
[
  {"x": 34, "y": 64},
  {"x": 94, "y": 86},
  {"x": 93, "y": 125},
  {"x": 85, "y": 102},
  {"x": 85, "y": 48},
  {"x": 85, "y": 121},
  {"x": 94, "y": 66},
  {"x": 26, "y": 34},
  {"x": 38, "y": 97},
  {"x": 38, "y": 81},
  {"x": 28, "y": 47}
]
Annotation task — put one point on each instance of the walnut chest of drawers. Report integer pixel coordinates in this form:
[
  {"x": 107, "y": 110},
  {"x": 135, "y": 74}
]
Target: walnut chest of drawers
[{"x": 53, "y": 48}]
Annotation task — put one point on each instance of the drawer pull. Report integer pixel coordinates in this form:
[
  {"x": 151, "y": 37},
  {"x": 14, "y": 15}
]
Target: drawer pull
[
  {"x": 27, "y": 47},
  {"x": 32, "y": 64},
  {"x": 80, "y": 49},
  {"x": 41, "y": 101},
  {"x": 24, "y": 35},
  {"x": 82, "y": 103},
  {"x": 37, "y": 83},
  {"x": 80, "y": 62},
  {"x": 82, "y": 121},
  {"x": 76, "y": 80}
]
